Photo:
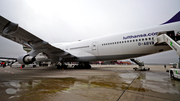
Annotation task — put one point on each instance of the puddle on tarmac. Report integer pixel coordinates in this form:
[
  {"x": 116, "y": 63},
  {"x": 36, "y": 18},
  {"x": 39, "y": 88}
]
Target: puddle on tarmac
[
  {"x": 11, "y": 91},
  {"x": 39, "y": 89},
  {"x": 135, "y": 88},
  {"x": 151, "y": 82},
  {"x": 128, "y": 77}
]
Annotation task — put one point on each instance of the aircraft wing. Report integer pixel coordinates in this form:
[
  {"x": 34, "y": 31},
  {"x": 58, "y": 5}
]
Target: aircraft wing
[
  {"x": 17, "y": 34},
  {"x": 8, "y": 58}
]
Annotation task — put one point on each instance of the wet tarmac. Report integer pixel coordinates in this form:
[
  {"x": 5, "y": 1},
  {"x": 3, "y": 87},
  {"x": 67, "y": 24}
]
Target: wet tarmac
[{"x": 101, "y": 83}]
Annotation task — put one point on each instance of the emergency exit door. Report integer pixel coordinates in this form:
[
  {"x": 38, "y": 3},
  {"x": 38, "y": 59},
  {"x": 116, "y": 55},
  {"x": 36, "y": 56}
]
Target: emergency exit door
[{"x": 94, "y": 46}]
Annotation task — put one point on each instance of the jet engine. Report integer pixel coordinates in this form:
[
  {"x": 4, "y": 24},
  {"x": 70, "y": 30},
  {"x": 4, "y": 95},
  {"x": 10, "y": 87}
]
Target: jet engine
[
  {"x": 26, "y": 59},
  {"x": 10, "y": 28}
]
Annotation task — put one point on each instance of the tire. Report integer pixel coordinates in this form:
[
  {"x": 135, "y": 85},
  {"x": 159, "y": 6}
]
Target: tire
[
  {"x": 64, "y": 66},
  {"x": 87, "y": 66},
  {"x": 59, "y": 67},
  {"x": 172, "y": 74},
  {"x": 75, "y": 67}
]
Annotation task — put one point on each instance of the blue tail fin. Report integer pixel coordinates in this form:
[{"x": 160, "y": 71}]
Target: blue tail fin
[{"x": 175, "y": 18}]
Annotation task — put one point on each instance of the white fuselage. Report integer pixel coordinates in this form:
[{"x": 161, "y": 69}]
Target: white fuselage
[{"x": 119, "y": 46}]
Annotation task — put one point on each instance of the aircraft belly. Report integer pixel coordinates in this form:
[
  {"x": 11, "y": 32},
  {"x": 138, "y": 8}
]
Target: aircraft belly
[
  {"x": 110, "y": 50},
  {"x": 118, "y": 57}
]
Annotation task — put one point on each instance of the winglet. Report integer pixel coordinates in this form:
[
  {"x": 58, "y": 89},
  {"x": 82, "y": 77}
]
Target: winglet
[{"x": 175, "y": 18}]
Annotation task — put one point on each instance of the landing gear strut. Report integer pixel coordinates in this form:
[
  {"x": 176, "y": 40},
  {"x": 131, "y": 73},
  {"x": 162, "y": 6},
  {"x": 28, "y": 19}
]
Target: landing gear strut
[{"x": 61, "y": 65}]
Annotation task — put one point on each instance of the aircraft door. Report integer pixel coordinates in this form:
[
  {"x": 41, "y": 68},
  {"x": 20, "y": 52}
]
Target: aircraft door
[{"x": 94, "y": 46}]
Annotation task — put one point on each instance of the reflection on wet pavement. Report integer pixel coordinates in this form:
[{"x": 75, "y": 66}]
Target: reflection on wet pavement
[
  {"x": 11, "y": 91},
  {"x": 149, "y": 82},
  {"x": 128, "y": 77},
  {"x": 41, "y": 88},
  {"x": 104, "y": 87}
]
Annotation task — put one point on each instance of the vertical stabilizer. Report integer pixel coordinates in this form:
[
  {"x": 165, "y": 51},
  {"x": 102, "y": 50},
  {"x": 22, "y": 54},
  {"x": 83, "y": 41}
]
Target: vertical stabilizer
[{"x": 175, "y": 18}]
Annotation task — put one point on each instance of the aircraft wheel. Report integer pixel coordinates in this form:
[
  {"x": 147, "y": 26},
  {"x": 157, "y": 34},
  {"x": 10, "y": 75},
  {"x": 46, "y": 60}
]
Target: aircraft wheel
[
  {"x": 76, "y": 67},
  {"x": 58, "y": 67},
  {"x": 34, "y": 66},
  {"x": 135, "y": 68},
  {"x": 64, "y": 66},
  {"x": 88, "y": 66},
  {"x": 172, "y": 74}
]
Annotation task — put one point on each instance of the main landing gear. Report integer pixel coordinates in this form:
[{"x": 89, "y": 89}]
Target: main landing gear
[
  {"x": 61, "y": 65},
  {"x": 81, "y": 65}
]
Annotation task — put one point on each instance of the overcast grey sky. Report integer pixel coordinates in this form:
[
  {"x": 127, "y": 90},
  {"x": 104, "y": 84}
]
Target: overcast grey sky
[{"x": 71, "y": 20}]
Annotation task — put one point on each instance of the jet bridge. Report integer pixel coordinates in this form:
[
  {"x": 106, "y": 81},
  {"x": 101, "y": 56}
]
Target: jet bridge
[{"x": 169, "y": 38}]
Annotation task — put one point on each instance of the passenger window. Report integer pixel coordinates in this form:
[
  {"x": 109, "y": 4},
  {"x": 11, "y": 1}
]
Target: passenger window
[
  {"x": 142, "y": 39},
  {"x": 130, "y": 40},
  {"x": 149, "y": 38},
  {"x": 152, "y": 38},
  {"x": 122, "y": 41},
  {"x": 145, "y": 38},
  {"x": 133, "y": 40},
  {"x": 139, "y": 39},
  {"x": 136, "y": 39}
]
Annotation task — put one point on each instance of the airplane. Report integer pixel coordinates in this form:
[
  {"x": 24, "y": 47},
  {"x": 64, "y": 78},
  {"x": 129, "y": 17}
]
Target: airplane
[{"x": 112, "y": 47}]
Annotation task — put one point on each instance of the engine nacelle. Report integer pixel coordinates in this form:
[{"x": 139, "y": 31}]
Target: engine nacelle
[
  {"x": 10, "y": 28},
  {"x": 26, "y": 59}
]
